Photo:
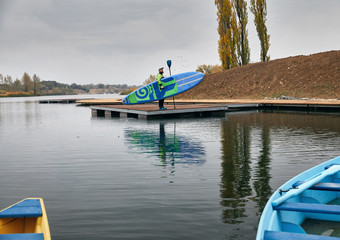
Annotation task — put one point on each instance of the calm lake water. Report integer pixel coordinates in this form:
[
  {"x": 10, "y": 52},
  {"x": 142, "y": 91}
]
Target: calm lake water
[{"x": 172, "y": 179}]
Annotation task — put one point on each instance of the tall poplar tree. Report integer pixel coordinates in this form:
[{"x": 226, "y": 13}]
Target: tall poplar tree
[
  {"x": 243, "y": 52},
  {"x": 233, "y": 44},
  {"x": 259, "y": 9},
  {"x": 226, "y": 30}
]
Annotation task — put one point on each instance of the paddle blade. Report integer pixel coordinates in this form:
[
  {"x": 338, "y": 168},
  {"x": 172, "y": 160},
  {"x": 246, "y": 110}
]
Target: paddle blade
[{"x": 168, "y": 63}]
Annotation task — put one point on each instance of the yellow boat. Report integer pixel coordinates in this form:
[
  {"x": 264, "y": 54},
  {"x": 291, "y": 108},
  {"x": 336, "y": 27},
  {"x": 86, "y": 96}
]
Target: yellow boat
[{"x": 25, "y": 220}]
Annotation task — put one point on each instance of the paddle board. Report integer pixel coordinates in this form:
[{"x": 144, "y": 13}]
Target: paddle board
[{"x": 173, "y": 85}]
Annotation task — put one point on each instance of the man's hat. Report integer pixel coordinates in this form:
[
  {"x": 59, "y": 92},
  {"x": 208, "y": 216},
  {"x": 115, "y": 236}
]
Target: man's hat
[{"x": 161, "y": 68}]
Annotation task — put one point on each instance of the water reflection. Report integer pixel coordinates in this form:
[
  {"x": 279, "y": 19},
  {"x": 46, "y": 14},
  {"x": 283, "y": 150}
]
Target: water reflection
[
  {"x": 102, "y": 173},
  {"x": 262, "y": 171},
  {"x": 235, "y": 175},
  {"x": 169, "y": 147},
  {"x": 254, "y": 148},
  {"x": 240, "y": 139}
]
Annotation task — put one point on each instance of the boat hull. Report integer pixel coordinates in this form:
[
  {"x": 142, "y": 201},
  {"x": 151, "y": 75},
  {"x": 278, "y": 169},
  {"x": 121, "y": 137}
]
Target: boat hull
[
  {"x": 312, "y": 194},
  {"x": 26, "y": 218}
]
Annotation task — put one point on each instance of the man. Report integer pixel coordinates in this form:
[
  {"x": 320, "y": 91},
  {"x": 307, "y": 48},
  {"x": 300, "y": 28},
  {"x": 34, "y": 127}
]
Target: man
[{"x": 159, "y": 78}]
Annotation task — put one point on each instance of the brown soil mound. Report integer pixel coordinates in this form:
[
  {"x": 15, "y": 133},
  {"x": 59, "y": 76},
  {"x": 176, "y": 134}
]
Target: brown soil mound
[{"x": 314, "y": 76}]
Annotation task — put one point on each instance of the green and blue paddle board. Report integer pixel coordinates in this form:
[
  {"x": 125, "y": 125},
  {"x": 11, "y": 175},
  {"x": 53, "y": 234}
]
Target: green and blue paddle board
[{"x": 173, "y": 85}]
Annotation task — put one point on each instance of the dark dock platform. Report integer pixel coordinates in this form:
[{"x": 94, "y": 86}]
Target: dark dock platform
[
  {"x": 206, "y": 107},
  {"x": 63, "y": 101},
  {"x": 151, "y": 111}
]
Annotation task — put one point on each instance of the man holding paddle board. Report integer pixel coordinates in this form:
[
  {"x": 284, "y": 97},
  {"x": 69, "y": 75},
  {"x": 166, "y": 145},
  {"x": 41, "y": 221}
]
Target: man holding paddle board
[
  {"x": 159, "y": 78},
  {"x": 164, "y": 87}
]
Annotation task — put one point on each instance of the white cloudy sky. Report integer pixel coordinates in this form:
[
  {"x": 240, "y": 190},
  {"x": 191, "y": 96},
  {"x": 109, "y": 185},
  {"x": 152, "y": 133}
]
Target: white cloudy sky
[{"x": 124, "y": 41}]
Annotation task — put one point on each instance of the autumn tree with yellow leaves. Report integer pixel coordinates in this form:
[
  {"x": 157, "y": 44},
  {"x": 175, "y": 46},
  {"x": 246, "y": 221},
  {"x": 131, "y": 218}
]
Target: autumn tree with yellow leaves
[
  {"x": 259, "y": 9},
  {"x": 209, "y": 69},
  {"x": 227, "y": 41},
  {"x": 27, "y": 82},
  {"x": 232, "y": 22},
  {"x": 243, "y": 51}
]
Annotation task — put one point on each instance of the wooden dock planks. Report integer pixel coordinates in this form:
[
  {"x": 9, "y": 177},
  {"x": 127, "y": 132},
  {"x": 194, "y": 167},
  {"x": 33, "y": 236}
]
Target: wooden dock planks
[{"x": 114, "y": 101}]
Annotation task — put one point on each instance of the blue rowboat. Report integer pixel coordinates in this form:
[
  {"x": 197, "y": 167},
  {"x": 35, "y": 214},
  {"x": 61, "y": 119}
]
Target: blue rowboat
[
  {"x": 305, "y": 207},
  {"x": 25, "y": 220}
]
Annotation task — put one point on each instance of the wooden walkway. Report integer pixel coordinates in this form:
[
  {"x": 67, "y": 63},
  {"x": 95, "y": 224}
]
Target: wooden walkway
[
  {"x": 151, "y": 111},
  {"x": 205, "y": 107},
  {"x": 117, "y": 101},
  {"x": 108, "y": 101},
  {"x": 64, "y": 101}
]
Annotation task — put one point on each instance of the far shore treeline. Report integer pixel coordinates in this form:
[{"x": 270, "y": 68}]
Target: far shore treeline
[{"x": 34, "y": 86}]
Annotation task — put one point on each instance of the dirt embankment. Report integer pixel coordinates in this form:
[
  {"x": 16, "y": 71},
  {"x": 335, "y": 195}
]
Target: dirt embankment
[{"x": 314, "y": 76}]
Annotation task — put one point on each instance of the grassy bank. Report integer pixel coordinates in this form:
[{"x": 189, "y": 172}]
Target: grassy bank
[{"x": 15, "y": 94}]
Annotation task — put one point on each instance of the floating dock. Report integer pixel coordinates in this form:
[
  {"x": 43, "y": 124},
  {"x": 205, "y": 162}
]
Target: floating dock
[
  {"x": 108, "y": 101},
  {"x": 330, "y": 103},
  {"x": 64, "y": 101},
  {"x": 151, "y": 111},
  {"x": 207, "y": 107}
]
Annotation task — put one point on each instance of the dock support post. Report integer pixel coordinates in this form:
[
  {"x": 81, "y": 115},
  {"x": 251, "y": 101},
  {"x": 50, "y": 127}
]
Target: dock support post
[
  {"x": 123, "y": 115},
  {"x": 144, "y": 117},
  {"x": 94, "y": 113},
  {"x": 108, "y": 114}
]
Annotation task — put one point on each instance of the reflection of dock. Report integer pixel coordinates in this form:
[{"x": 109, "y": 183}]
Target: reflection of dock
[{"x": 150, "y": 111}]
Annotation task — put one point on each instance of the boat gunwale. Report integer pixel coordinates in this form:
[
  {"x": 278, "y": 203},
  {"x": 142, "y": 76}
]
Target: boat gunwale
[
  {"x": 41, "y": 226},
  {"x": 266, "y": 218}
]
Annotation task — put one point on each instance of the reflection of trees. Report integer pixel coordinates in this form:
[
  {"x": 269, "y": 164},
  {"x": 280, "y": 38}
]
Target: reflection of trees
[
  {"x": 235, "y": 174},
  {"x": 262, "y": 172}
]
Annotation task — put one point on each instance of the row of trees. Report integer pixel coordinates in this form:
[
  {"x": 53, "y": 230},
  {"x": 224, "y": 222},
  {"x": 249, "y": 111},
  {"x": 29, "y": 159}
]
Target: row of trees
[
  {"x": 25, "y": 84},
  {"x": 232, "y": 28},
  {"x": 33, "y": 85}
]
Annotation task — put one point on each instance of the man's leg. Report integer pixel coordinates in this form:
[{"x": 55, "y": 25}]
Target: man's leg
[{"x": 161, "y": 103}]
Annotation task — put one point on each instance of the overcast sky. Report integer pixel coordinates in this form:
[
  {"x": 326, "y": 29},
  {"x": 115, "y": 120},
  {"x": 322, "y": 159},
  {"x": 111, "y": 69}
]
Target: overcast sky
[{"x": 124, "y": 41}]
